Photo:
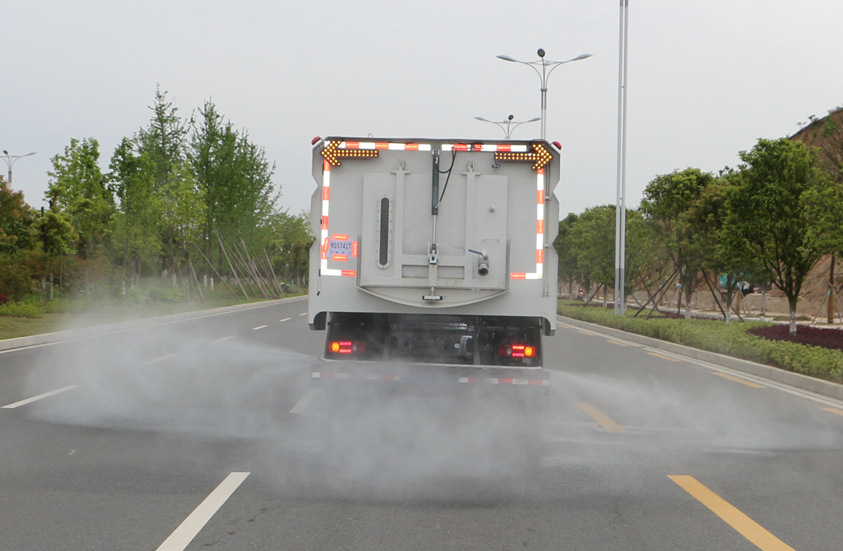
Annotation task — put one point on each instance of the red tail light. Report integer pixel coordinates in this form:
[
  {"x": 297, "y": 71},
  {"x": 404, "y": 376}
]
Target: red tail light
[
  {"x": 516, "y": 351},
  {"x": 346, "y": 347}
]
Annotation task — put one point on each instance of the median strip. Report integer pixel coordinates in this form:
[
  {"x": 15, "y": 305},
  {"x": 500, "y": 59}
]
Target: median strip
[
  {"x": 732, "y": 516},
  {"x": 200, "y": 516}
]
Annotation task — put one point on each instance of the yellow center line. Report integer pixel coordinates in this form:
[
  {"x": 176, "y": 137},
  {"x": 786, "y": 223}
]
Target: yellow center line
[
  {"x": 738, "y": 380},
  {"x": 834, "y": 410},
  {"x": 586, "y": 333},
  {"x": 731, "y": 515},
  {"x": 668, "y": 358},
  {"x": 617, "y": 342},
  {"x": 601, "y": 418}
]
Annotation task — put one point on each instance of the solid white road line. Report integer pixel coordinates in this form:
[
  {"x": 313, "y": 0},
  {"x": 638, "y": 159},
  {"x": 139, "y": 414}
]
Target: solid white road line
[
  {"x": 200, "y": 516},
  {"x": 39, "y": 397}
]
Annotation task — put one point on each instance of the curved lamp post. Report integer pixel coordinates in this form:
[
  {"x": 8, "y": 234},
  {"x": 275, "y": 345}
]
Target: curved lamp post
[
  {"x": 10, "y": 161},
  {"x": 547, "y": 67},
  {"x": 508, "y": 126}
]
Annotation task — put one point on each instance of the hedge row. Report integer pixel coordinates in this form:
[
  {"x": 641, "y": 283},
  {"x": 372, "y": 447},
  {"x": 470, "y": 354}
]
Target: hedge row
[{"x": 716, "y": 336}]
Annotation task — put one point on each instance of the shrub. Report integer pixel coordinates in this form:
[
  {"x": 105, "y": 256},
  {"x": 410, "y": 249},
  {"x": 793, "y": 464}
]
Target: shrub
[{"x": 26, "y": 309}]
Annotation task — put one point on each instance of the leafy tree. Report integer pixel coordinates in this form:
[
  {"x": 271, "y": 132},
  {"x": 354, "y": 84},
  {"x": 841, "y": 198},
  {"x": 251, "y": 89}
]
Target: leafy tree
[
  {"x": 16, "y": 221},
  {"x": 567, "y": 258},
  {"x": 643, "y": 258},
  {"x": 707, "y": 216},
  {"x": 164, "y": 141},
  {"x": 183, "y": 215},
  {"x": 291, "y": 241},
  {"x": 592, "y": 240},
  {"x": 56, "y": 233},
  {"x": 773, "y": 213},
  {"x": 77, "y": 188},
  {"x": 136, "y": 231},
  {"x": 668, "y": 201},
  {"x": 234, "y": 176}
]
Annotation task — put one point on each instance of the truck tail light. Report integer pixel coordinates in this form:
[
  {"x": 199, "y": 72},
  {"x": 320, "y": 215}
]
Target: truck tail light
[
  {"x": 516, "y": 351},
  {"x": 346, "y": 347}
]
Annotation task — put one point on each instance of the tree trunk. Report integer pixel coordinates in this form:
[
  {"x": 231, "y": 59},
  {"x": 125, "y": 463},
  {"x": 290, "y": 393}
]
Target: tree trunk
[
  {"x": 831, "y": 292},
  {"x": 792, "y": 303}
]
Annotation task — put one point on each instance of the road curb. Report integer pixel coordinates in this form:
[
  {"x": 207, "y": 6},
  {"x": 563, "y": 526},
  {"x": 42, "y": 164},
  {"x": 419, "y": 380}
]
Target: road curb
[
  {"x": 804, "y": 382},
  {"x": 73, "y": 334}
]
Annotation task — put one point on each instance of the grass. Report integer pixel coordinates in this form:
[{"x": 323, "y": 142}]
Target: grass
[{"x": 12, "y": 327}]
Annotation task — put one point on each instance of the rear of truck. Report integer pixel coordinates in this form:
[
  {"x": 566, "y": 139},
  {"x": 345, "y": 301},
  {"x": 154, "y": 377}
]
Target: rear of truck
[{"x": 433, "y": 263}]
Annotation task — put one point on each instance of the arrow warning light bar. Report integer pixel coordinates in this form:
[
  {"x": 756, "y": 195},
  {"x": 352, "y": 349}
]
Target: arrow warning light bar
[{"x": 539, "y": 156}]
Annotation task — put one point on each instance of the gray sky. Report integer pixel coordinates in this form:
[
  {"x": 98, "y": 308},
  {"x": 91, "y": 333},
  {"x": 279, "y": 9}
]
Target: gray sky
[{"x": 706, "y": 79}]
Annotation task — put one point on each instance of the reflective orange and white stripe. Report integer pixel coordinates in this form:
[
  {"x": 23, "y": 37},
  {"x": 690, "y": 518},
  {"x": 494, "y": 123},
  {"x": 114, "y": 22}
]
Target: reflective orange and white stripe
[
  {"x": 388, "y": 146},
  {"x": 323, "y": 237},
  {"x": 540, "y": 227},
  {"x": 486, "y": 147},
  {"x": 410, "y": 146}
]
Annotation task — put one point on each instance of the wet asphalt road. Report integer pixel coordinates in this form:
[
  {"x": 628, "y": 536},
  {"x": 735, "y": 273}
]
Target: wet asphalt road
[{"x": 204, "y": 434}]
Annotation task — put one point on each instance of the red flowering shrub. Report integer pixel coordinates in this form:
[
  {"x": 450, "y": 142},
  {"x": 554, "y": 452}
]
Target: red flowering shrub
[{"x": 805, "y": 334}]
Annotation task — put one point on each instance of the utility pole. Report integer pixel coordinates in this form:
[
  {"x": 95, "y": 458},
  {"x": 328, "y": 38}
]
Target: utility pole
[{"x": 620, "y": 212}]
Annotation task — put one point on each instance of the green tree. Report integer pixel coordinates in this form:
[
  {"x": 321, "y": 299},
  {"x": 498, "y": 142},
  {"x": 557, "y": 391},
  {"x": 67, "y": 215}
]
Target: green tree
[
  {"x": 165, "y": 141},
  {"x": 56, "y": 233},
  {"x": 567, "y": 259},
  {"x": 136, "y": 228},
  {"x": 592, "y": 239},
  {"x": 643, "y": 258},
  {"x": 17, "y": 221},
  {"x": 234, "y": 176},
  {"x": 78, "y": 188},
  {"x": 668, "y": 202},
  {"x": 291, "y": 241},
  {"x": 183, "y": 216},
  {"x": 773, "y": 213}
]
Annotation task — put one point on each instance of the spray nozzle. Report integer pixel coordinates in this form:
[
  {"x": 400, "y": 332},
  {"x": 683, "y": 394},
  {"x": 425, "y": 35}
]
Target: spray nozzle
[{"x": 482, "y": 262}]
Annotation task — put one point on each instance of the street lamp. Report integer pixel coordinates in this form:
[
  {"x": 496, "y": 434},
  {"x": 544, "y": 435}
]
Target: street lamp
[
  {"x": 620, "y": 212},
  {"x": 510, "y": 125},
  {"x": 10, "y": 161},
  {"x": 543, "y": 75}
]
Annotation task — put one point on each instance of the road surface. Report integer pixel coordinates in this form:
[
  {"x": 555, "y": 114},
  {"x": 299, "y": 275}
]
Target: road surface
[{"x": 204, "y": 434}]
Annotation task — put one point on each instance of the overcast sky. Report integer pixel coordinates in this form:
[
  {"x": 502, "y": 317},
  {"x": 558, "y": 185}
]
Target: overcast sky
[{"x": 706, "y": 79}]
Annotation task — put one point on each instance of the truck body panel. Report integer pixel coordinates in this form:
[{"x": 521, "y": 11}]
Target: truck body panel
[{"x": 424, "y": 244}]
